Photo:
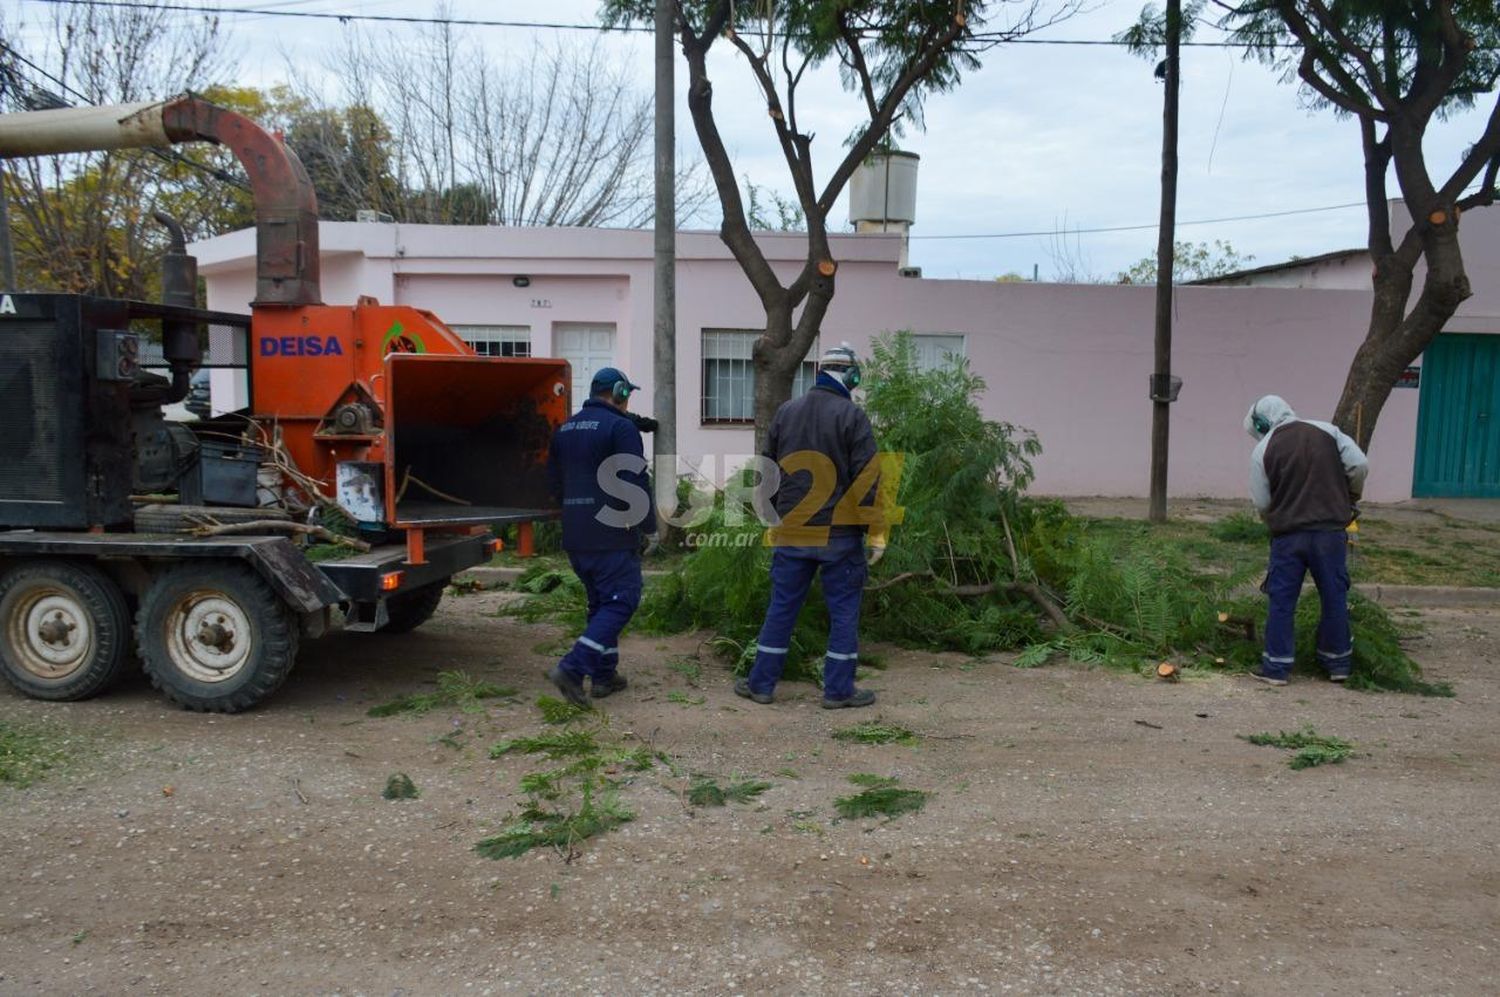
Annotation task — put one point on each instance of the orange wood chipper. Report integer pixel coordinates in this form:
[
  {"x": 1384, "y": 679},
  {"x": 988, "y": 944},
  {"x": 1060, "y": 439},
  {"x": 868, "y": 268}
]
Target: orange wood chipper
[{"x": 376, "y": 414}]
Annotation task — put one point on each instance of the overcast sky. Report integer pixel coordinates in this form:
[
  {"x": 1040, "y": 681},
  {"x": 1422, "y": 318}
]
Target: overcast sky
[{"x": 1043, "y": 138}]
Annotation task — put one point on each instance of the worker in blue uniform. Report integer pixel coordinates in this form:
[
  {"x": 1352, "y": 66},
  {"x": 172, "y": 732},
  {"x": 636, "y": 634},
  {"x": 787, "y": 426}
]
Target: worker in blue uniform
[
  {"x": 821, "y": 433},
  {"x": 597, "y": 471}
]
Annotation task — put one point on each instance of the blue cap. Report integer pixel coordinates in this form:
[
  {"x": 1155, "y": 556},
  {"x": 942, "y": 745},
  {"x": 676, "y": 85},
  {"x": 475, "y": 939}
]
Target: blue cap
[{"x": 605, "y": 379}]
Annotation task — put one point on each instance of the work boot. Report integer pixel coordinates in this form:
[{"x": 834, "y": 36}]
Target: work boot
[
  {"x": 858, "y": 698},
  {"x": 608, "y": 687},
  {"x": 1261, "y": 675},
  {"x": 743, "y": 690},
  {"x": 571, "y": 688}
]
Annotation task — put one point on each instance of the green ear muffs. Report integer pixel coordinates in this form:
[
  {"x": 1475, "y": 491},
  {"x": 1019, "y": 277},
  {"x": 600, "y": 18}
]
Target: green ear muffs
[
  {"x": 621, "y": 391},
  {"x": 852, "y": 377},
  {"x": 1261, "y": 424}
]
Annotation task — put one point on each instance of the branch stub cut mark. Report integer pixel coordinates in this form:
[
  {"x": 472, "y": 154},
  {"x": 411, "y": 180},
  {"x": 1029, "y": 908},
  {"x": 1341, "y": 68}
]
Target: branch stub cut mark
[{"x": 827, "y": 268}]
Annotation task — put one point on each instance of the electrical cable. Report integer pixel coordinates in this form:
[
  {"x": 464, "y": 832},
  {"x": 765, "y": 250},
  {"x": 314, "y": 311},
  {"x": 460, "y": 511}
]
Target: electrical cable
[
  {"x": 475, "y": 22},
  {"x": 1138, "y": 228}
]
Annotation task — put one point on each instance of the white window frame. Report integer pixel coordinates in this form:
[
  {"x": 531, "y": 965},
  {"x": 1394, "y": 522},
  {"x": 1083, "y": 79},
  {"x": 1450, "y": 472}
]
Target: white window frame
[
  {"x": 928, "y": 342},
  {"x": 496, "y": 340},
  {"x": 733, "y": 371}
]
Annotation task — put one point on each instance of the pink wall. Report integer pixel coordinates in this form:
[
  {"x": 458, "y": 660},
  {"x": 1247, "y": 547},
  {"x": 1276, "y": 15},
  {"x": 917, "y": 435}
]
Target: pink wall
[{"x": 1068, "y": 361}]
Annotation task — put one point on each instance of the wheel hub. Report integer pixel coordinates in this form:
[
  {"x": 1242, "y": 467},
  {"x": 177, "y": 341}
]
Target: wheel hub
[
  {"x": 209, "y": 636},
  {"x": 51, "y": 632},
  {"x": 217, "y": 636},
  {"x": 55, "y": 631}
]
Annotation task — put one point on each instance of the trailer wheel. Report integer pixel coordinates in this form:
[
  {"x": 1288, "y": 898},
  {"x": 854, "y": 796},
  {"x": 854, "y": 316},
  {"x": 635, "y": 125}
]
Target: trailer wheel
[
  {"x": 410, "y": 610},
  {"x": 215, "y": 637},
  {"x": 64, "y": 629}
]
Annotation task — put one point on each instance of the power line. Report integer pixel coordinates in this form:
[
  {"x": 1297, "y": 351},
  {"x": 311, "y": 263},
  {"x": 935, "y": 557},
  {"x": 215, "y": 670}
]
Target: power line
[
  {"x": 1139, "y": 228},
  {"x": 476, "y": 22}
]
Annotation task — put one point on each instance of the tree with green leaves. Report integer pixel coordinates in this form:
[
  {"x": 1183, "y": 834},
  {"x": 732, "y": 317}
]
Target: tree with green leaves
[
  {"x": 83, "y": 222},
  {"x": 892, "y": 54},
  {"x": 1395, "y": 66},
  {"x": 1190, "y": 261}
]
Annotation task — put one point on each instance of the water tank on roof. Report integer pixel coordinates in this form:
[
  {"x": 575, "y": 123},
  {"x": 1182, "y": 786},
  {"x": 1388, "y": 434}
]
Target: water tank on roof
[{"x": 884, "y": 189}]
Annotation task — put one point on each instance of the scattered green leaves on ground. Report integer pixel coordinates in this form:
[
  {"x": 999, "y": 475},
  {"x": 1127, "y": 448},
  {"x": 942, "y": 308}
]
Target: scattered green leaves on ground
[
  {"x": 871, "y": 781},
  {"x": 880, "y": 797},
  {"x": 683, "y": 699},
  {"x": 705, "y": 792},
  {"x": 536, "y": 827},
  {"x": 559, "y": 711},
  {"x": 455, "y": 689},
  {"x": 1310, "y": 748},
  {"x": 555, "y": 745},
  {"x": 578, "y": 797},
  {"x": 875, "y": 732},
  {"x": 29, "y": 752},
  {"x": 400, "y": 787},
  {"x": 690, "y": 670}
]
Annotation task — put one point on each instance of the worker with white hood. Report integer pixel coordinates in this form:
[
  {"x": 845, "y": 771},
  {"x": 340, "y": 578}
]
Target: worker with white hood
[{"x": 1306, "y": 479}]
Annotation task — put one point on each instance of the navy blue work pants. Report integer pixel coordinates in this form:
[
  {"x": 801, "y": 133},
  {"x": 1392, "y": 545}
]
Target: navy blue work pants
[
  {"x": 842, "y": 566},
  {"x": 1323, "y": 553},
  {"x": 612, "y": 579}
]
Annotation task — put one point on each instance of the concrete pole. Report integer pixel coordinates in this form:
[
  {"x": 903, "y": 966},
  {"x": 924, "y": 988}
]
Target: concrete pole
[
  {"x": 1166, "y": 235},
  {"x": 664, "y": 365}
]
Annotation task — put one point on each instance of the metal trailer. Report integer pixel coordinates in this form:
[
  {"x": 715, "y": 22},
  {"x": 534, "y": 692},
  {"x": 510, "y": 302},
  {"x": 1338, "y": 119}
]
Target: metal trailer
[
  {"x": 380, "y": 409},
  {"x": 89, "y": 575}
]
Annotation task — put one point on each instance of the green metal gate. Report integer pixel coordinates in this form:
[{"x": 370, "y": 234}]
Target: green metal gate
[{"x": 1458, "y": 420}]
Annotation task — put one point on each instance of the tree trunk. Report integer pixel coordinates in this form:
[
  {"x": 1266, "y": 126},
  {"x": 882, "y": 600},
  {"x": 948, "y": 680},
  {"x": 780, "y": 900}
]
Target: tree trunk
[
  {"x": 775, "y": 369},
  {"x": 1396, "y": 338}
]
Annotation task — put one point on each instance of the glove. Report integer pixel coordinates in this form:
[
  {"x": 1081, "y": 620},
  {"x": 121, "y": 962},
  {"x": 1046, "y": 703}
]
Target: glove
[
  {"x": 650, "y": 544},
  {"x": 876, "y": 548},
  {"x": 644, "y": 423}
]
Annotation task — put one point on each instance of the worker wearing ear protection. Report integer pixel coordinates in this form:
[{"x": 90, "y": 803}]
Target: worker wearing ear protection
[
  {"x": 597, "y": 471},
  {"x": 1305, "y": 479},
  {"x": 827, "y": 422}
]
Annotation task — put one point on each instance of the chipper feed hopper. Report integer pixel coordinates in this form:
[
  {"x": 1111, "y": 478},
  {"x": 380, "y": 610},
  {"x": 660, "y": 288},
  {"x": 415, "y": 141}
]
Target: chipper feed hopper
[{"x": 377, "y": 416}]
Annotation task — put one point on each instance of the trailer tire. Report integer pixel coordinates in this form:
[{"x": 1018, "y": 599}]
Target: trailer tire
[
  {"x": 410, "y": 610},
  {"x": 185, "y": 518},
  {"x": 215, "y": 637},
  {"x": 64, "y": 629}
]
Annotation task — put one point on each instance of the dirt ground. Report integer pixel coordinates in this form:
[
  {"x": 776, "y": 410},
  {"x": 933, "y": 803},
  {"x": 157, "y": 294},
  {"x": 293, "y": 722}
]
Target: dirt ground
[{"x": 1089, "y": 832}]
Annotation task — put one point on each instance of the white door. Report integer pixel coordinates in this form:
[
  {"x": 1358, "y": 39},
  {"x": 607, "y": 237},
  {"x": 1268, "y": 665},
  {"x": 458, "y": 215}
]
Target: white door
[{"x": 587, "y": 348}]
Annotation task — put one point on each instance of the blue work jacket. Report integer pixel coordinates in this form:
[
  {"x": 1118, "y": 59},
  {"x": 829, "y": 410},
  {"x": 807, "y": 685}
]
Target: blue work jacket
[{"x": 606, "y": 505}]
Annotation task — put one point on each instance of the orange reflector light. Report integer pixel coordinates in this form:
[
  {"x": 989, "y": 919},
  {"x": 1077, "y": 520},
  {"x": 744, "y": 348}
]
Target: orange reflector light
[
  {"x": 496, "y": 545},
  {"x": 390, "y": 581}
]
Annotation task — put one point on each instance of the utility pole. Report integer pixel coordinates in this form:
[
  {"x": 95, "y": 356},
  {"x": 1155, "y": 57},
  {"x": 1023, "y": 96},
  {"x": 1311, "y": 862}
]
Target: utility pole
[
  {"x": 1162, "y": 393},
  {"x": 664, "y": 359}
]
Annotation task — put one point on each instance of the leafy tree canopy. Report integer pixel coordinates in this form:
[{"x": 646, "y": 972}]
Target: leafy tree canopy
[{"x": 1190, "y": 261}]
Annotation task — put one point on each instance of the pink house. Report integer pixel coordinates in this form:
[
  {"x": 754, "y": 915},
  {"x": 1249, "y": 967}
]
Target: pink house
[{"x": 1070, "y": 362}]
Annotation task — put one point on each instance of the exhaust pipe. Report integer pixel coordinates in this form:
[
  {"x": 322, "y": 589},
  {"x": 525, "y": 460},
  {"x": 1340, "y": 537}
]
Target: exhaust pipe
[
  {"x": 179, "y": 286},
  {"x": 286, "y": 208}
]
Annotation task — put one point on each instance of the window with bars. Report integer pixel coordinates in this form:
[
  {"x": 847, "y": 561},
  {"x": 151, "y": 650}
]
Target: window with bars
[
  {"x": 933, "y": 350},
  {"x": 497, "y": 340},
  {"x": 729, "y": 375}
]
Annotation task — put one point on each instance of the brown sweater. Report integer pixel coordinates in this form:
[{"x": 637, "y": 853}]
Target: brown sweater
[{"x": 1309, "y": 490}]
